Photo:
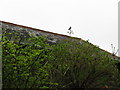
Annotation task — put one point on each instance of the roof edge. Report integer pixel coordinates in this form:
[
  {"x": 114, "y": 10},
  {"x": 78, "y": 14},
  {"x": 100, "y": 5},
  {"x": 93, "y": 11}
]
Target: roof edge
[{"x": 53, "y": 33}]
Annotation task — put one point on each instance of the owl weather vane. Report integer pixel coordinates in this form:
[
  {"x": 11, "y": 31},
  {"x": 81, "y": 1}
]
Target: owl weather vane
[{"x": 70, "y": 31}]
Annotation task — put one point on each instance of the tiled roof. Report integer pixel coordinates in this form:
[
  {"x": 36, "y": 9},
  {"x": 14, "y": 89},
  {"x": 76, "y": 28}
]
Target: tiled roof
[{"x": 54, "y": 34}]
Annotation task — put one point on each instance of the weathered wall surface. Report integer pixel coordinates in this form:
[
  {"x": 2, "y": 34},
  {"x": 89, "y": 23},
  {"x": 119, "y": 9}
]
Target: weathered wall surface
[{"x": 53, "y": 38}]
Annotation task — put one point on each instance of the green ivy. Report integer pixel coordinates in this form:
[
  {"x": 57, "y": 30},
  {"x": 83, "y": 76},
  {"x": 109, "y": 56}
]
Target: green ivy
[{"x": 25, "y": 67}]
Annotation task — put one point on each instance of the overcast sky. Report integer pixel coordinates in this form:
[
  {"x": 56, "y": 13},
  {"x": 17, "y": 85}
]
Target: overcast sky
[{"x": 96, "y": 20}]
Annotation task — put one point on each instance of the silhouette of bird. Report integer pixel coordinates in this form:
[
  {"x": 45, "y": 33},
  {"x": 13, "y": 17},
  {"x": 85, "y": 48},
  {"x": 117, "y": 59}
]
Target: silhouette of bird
[{"x": 69, "y": 28}]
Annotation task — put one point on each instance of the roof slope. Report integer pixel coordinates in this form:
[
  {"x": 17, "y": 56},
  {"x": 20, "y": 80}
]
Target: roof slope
[{"x": 39, "y": 30}]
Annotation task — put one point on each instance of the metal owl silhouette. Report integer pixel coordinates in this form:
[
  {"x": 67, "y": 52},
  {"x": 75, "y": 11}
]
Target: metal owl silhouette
[{"x": 70, "y": 31}]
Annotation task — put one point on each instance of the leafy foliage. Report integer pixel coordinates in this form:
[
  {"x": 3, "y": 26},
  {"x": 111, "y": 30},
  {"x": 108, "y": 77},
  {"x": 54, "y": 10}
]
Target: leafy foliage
[
  {"x": 82, "y": 66},
  {"x": 24, "y": 64},
  {"x": 36, "y": 64}
]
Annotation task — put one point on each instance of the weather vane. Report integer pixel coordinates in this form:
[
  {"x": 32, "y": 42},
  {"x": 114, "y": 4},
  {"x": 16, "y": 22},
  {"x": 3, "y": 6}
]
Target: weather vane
[{"x": 70, "y": 31}]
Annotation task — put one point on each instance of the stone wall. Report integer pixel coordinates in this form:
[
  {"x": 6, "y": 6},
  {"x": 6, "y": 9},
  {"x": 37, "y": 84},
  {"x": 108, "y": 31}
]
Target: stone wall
[{"x": 27, "y": 31}]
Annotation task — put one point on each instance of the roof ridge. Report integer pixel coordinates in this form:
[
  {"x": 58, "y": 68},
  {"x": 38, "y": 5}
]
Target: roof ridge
[{"x": 55, "y": 34}]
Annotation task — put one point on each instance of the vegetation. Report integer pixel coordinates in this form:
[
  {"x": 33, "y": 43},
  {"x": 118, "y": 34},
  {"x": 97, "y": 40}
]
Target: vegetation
[
  {"x": 83, "y": 66},
  {"x": 24, "y": 65},
  {"x": 68, "y": 64}
]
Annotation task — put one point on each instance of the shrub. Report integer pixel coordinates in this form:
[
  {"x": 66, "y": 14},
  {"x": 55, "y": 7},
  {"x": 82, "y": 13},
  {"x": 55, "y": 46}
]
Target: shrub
[{"x": 82, "y": 66}]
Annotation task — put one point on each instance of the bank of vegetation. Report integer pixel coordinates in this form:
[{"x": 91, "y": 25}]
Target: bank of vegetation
[{"x": 68, "y": 64}]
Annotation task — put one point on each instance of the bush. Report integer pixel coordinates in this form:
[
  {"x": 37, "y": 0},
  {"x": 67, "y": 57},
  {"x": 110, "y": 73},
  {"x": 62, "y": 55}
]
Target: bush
[{"x": 82, "y": 66}]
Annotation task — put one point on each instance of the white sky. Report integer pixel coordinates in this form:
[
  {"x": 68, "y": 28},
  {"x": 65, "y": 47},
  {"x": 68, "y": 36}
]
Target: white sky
[{"x": 96, "y": 20}]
